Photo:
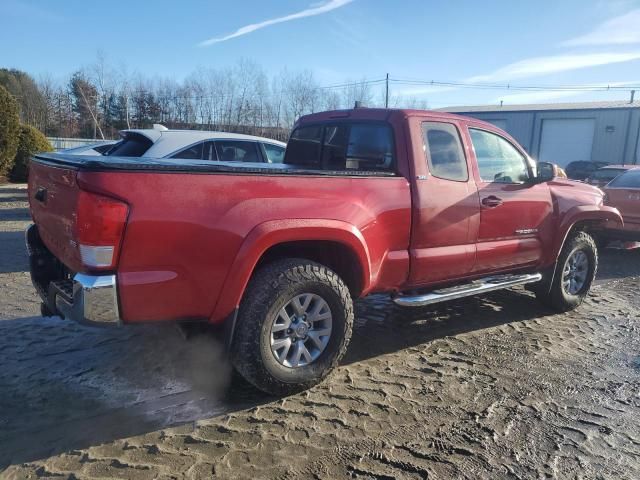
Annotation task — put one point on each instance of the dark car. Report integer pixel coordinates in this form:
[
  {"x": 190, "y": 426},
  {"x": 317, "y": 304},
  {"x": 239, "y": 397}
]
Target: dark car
[
  {"x": 582, "y": 169},
  {"x": 604, "y": 175}
]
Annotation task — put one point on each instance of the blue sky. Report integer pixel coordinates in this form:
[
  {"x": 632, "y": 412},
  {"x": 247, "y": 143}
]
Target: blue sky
[{"x": 544, "y": 42}]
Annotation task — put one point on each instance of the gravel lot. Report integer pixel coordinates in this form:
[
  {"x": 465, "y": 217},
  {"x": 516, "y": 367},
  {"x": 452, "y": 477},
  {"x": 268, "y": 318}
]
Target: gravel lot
[{"x": 490, "y": 387}]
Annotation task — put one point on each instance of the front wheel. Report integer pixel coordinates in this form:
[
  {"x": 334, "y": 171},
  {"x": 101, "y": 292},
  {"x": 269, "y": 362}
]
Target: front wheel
[
  {"x": 294, "y": 325},
  {"x": 574, "y": 273}
]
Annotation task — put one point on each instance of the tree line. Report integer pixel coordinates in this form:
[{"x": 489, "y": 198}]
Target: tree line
[{"x": 98, "y": 100}]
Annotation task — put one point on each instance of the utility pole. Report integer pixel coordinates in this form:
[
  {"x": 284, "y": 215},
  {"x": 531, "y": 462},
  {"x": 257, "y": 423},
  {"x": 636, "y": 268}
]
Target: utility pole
[
  {"x": 386, "y": 97},
  {"x": 633, "y": 95}
]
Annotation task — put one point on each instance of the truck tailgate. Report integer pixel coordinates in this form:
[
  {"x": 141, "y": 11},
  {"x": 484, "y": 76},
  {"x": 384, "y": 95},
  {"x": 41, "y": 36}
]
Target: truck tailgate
[{"x": 53, "y": 194}]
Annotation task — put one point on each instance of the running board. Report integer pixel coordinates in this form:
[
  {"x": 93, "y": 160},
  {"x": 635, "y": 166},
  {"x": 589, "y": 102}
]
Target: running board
[{"x": 483, "y": 285}]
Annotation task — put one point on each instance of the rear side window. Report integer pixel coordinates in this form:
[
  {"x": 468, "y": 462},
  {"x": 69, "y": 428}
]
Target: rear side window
[
  {"x": 630, "y": 179},
  {"x": 274, "y": 153},
  {"x": 133, "y": 145},
  {"x": 342, "y": 146},
  {"x": 237, "y": 151},
  {"x": 194, "y": 152},
  {"x": 443, "y": 149}
]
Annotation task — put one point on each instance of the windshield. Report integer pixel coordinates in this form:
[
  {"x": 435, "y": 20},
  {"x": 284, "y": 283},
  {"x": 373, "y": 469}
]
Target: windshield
[
  {"x": 630, "y": 179},
  {"x": 607, "y": 173}
]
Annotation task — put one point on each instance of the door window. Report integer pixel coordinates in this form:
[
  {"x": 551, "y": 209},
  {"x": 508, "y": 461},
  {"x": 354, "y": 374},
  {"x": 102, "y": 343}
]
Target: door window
[
  {"x": 237, "y": 151},
  {"x": 444, "y": 152},
  {"x": 194, "y": 152},
  {"x": 498, "y": 160}
]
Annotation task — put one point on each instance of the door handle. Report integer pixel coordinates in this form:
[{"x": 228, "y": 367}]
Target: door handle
[{"x": 491, "y": 201}]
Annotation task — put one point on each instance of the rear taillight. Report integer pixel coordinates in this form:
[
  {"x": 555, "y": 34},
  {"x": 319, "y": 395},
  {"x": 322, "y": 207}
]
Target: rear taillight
[{"x": 99, "y": 228}]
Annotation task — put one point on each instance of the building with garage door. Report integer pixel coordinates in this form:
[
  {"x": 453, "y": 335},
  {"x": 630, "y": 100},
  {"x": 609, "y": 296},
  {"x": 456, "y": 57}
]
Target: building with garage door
[{"x": 565, "y": 132}]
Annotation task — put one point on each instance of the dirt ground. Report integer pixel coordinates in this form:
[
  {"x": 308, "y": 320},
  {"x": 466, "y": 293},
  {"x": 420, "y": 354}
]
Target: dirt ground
[{"x": 490, "y": 387}]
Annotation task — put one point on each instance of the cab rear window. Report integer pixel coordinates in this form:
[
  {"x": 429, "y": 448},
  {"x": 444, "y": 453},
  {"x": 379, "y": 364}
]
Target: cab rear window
[{"x": 344, "y": 146}]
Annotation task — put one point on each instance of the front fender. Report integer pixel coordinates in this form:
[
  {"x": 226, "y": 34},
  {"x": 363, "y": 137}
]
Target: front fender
[
  {"x": 271, "y": 233},
  {"x": 583, "y": 213}
]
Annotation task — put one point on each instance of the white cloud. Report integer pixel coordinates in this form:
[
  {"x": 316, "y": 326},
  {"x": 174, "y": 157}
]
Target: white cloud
[
  {"x": 621, "y": 30},
  {"x": 309, "y": 12},
  {"x": 537, "y": 66}
]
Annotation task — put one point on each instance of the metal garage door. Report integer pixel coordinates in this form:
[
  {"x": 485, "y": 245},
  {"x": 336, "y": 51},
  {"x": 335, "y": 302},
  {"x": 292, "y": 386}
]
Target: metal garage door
[
  {"x": 502, "y": 124},
  {"x": 563, "y": 141}
]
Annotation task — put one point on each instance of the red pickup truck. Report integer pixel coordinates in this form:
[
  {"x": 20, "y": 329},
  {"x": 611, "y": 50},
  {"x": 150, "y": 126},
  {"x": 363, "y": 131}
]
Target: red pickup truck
[{"x": 425, "y": 206}]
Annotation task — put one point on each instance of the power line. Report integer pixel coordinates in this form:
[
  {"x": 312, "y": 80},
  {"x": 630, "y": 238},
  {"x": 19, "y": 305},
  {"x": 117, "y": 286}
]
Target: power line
[
  {"x": 493, "y": 86},
  {"x": 355, "y": 84}
]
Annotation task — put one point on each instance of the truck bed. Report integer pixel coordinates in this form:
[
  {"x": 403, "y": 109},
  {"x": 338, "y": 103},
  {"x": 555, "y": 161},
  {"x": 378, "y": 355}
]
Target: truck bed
[
  {"x": 193, "y": 225},
  {"x": 93, "y": 163}
]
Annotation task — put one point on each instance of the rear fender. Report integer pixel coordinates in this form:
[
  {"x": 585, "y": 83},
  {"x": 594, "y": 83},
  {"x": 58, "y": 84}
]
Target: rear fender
[{"x": 271, "y": 233}]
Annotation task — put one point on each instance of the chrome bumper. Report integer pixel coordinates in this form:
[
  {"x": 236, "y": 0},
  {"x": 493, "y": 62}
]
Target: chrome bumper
[
  {"x": 90, "y": 299},
  {"x": 94, "y": 300}
]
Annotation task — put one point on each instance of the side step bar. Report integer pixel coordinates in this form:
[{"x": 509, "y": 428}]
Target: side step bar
[{"x": 483, "y": 285}]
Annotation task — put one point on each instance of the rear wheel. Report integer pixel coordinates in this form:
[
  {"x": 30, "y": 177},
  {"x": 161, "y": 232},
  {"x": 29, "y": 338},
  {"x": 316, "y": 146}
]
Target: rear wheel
[
  {"x": 294, "y": 325},
  {"x": 574, "y": 273}
]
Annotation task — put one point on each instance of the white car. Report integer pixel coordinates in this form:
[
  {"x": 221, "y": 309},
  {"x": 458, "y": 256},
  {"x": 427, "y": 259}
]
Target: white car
[
  {"x": 92, "y": 149},
  {"x": 160, "y": 142}
]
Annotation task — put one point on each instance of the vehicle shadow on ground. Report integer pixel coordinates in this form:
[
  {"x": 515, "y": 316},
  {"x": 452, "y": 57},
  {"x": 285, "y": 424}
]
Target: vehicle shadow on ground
[
  {"x": 13, "y": 252},
  {"x": 383, "y": 327},
  {"x": 14, "y": 214},
  {"x": 616, "y": 263},
  {"x": 14, "y": 190},
  {"x": 68, "y": 387},
  {"x": 12, "y": 199}
]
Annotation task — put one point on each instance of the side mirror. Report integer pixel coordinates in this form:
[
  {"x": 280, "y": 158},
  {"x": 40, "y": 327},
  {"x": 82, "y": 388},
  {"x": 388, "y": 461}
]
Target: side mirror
[{"x": 546, "y": 172}]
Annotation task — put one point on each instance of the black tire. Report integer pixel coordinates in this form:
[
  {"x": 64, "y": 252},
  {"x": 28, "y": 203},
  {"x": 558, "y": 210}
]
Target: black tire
[
  {"x": 557, "y": 297},
  {"x": 268, "y": 291}
]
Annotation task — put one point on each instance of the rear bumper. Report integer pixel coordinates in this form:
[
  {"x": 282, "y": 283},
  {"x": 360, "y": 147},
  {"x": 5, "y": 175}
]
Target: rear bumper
[
  {"x": 89, "y": 299},
  {"x": 93, "y": 300}
]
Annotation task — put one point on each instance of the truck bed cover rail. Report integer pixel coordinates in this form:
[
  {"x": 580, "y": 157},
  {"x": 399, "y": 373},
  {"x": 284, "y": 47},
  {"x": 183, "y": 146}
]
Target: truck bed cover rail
[{"x": 137, "y": 164}]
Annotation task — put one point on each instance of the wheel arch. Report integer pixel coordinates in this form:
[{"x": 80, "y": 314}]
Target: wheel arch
[
  {"x": 579, "y": 218},
  {"x": 333, "y": 243},
  {"x": 582, "y": 217}
]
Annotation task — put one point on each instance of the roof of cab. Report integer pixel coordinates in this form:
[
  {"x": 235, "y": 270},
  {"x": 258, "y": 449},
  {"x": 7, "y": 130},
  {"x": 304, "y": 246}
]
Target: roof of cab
[{"x": 383, "y": 114}]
